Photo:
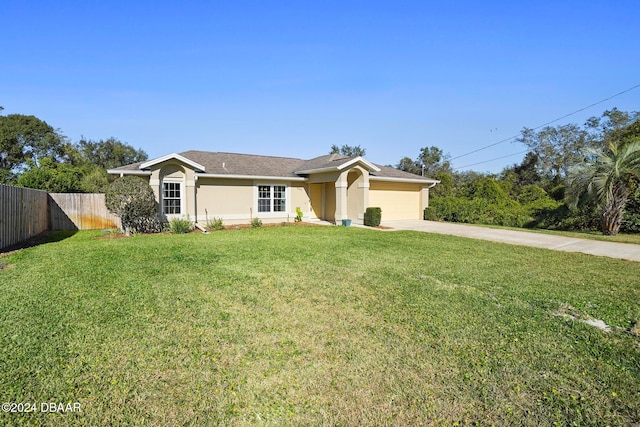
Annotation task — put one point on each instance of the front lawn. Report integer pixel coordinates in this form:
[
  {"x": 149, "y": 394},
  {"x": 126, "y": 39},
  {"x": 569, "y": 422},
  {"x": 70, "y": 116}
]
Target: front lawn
[{"x": 317, "y": 326}]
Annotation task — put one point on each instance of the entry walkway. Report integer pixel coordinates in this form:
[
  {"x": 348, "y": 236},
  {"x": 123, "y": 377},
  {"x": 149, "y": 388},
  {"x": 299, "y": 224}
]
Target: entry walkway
[{"x": 523, "y": 238}]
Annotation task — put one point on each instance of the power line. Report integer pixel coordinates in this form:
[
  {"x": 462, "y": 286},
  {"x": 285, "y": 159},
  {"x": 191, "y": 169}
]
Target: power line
[
  {"x": 546, "y": 124},
  {"x": 491, "y": 160}
]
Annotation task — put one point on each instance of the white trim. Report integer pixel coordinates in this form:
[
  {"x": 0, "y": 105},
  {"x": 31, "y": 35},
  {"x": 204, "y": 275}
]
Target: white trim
[
  {"x": 359, "y": 159},
  {"x": 183, "y": 198},
  {"x": 430, "y": 182},
  {"x": 271, "y": 213},
  {"x": 259, "y": 177},
  {"x": 123, "y": 172},
  {"x": 175, "y": 156}
]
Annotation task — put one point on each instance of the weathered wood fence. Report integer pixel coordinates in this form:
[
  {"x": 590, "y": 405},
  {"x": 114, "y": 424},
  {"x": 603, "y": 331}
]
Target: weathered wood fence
[
  {"x": 77, "y": 211},
  {"x": 25, "y": 212}
]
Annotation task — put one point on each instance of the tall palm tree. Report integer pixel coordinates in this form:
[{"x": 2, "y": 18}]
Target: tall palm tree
[{"x": 607, "y": 177}]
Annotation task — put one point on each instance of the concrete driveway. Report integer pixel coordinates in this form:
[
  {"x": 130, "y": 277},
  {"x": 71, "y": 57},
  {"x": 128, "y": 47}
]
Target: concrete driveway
[{"x": 523, "y": 238}]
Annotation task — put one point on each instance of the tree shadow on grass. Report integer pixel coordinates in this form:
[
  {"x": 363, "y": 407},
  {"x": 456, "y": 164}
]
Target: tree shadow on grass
[{"x": 40, "y": 239}]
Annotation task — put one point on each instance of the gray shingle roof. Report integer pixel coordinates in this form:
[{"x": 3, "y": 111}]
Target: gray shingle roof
[
  {"x": 244, "y": 164},
  {"x": 253, "y": 165}
]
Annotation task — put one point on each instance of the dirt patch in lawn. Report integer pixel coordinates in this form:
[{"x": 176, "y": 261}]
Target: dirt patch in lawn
[
  {"x": 635, "y": 330},
  {"x": 572, "y": 313}
]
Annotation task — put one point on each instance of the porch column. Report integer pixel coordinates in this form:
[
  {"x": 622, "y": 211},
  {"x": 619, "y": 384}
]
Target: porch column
[
  {"x": 365, "y": 188},
  {"x": 341, "y": 200}
]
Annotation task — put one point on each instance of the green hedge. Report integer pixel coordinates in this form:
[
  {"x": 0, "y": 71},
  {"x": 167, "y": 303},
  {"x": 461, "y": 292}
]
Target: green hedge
[
  {"x": 372, "y": 217},
  {"x": 482, "y": 211}
]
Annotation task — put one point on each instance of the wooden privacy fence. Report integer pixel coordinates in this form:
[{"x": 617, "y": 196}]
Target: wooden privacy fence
[
  {"x": 23, "y": 214},
  {"x": 77, "y": 211}
]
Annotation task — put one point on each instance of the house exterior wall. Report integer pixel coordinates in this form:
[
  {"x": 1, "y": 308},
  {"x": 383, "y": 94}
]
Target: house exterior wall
[
  {"x": 236, "y": 200},
  {"x": 300, "y": 198},
  {"x": 324, "y": 177},
  {"x": 316, "y": 197},
  {"x": 397, "y": 200},
  {"x": 230, "y": 199},
  {"x": 175, "y": 172},
  {"x": 330, "y": 201}
]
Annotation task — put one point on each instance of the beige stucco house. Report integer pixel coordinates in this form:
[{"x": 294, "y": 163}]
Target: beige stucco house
[{"x": 202, "y": 185}]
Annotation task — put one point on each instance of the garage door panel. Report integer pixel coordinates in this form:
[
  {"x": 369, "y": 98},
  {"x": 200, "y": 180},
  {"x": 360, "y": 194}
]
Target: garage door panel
[{"x": 396, "y": 204}]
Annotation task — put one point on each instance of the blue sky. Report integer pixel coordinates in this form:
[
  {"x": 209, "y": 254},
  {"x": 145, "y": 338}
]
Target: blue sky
[{"x": 291, "y": 78}]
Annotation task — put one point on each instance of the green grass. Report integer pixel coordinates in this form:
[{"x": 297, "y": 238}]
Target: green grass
[{"x": 316, "y": 326}]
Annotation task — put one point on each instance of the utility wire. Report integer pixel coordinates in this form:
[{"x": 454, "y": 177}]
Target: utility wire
[
  {"x": 543, "y": 125},
  {"x": 491, "y": 160}
]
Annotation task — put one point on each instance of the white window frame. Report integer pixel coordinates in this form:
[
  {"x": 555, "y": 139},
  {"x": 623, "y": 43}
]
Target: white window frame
[
  {"x": 271, "y": 213},
  {"x": 181, "y": 188}
]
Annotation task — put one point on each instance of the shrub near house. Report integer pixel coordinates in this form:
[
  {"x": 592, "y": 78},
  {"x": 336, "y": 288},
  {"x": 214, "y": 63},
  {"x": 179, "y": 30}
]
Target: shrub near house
[
  {"x": 372, "y": 217},
  {"x": 133, "y": 200}
]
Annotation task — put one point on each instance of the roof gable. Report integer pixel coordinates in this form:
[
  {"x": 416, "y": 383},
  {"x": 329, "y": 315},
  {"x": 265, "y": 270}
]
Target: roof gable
[
  {"x": 334, "y": 162},
  {"x": 173, "y": 156}
]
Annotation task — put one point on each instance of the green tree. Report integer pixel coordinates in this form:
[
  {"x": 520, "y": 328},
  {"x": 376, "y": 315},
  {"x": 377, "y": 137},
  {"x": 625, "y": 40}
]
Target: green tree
[
  {"x": 51, "y": 176},
  {"x": 24, "y": 138},
  {"x": 132, "y": 199},
  {"x": 430, "y": 162},
  {"x": 613, "y": 127},
  {"x": 110, "y": 153},
  {"x": 525, "y": 173},
  {"x": 347, "y": 150},
  {"x": 408, "y": 165},
  {"x": 607, "y": 178},
  {"x": 434, "y": 161},
  {"x": 556, "y": 148}
]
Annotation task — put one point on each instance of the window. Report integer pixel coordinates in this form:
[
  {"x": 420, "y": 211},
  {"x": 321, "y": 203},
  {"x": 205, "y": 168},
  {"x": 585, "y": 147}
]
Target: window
[
  {"x": 272, "y": 198},
  {"x": 171, "y": 198}
]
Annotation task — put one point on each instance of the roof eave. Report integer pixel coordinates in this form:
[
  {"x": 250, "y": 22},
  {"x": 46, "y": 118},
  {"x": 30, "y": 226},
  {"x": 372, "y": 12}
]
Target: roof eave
[
  {"x": 254, "y": 177},
  {"x": 319, "y": 170},
  {"x": 430, "y": 182},
  {"x": 123, "y": 172}
]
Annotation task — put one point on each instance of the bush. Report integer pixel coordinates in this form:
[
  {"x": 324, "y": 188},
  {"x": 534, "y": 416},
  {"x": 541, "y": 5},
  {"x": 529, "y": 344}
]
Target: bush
[
  {"x": 132, "y": 199},
  {"x": 180, "y": 226},
  {"x": 256, "y": 222},
  {"x": 298, "y": 215},
  {"x": 215, "y": 224},
  {"x": 631, "y": 218},
  {"x": 372, "y": 217},
  {"x": 478, "y": 211}
]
